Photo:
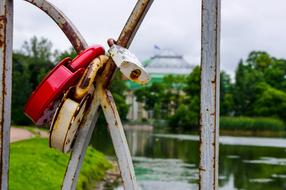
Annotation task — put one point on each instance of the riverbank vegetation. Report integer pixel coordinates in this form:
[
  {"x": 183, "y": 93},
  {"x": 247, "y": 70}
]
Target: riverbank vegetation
[
  {"x": 251, "y": 124},
  {"x": 33, "y": 165},
  {"x": 254, "y": 100}
]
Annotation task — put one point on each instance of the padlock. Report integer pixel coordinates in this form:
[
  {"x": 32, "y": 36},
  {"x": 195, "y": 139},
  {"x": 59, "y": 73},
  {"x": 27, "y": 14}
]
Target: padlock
[
  {"x": 71, "y": 110},
  {"x": 128, "y": 64},
  {"x": 41, "y": 105},
  {"x": 66, "y": 121}
]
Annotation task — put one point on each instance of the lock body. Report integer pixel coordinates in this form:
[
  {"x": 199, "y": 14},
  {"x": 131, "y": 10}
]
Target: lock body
[
  {"x": 128, "y": 64},
  {"x": 41, "y": 104},
  {"x": 66, "y": 121},
  {"x": 72, "y": 108}
]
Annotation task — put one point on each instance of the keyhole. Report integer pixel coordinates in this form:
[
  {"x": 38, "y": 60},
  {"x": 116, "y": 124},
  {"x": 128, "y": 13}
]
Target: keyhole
[{"x": 135, "y": 74}]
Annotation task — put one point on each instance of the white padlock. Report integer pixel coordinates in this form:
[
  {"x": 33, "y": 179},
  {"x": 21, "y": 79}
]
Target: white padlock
[
  {"x": 128, "y": 64},
  {"x": 65, "y": 123}
]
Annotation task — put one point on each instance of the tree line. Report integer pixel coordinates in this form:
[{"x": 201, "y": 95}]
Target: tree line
[{"x": 257, "y": 90}]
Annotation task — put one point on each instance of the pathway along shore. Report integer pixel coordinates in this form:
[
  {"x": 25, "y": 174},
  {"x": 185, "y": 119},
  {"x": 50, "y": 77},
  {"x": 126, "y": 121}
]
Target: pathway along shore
[{"x": 18, "y": 134}]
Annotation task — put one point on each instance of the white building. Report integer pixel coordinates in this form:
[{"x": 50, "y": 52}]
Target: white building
[{"x": 165, "y": 62}]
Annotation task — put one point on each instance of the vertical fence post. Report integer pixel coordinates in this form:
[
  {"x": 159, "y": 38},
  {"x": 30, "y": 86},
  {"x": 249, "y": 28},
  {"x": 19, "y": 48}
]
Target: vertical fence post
[
  {"x": 209, "y": 113},
  {"x": 6, "y": 33}
]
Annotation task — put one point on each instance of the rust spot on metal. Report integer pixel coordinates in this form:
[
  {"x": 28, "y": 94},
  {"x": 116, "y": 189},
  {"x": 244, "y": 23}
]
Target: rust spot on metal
[
  {"x": 85, "y": 81},
  {"x": 3, "y": 22},
  {"x": 133, "y": 23},
  {"x": 3, "y": 36},
  {"x": 200, "y": 149},
  {"x": 87, "y": 78},
  {"x": 110, "y": 102},
  {"x": 202, "y": 169},
  {"x": 73, "y": 37}
]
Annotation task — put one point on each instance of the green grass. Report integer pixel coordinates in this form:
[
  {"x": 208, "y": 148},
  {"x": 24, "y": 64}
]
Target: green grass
[
  {"x": 34, "y": 166},
  {"x": 252, "y": 124}
]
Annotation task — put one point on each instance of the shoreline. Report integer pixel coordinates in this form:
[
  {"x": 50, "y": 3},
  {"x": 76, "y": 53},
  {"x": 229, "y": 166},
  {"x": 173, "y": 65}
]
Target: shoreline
[{"x": 112, "y": 177}]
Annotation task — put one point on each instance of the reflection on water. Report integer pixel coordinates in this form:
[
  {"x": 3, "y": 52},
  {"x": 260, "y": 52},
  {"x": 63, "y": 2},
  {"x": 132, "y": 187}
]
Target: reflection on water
[{"x": 164, "y": 161}]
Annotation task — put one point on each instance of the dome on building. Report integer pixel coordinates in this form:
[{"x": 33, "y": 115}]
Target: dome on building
[{"x": 167, "y": 62}]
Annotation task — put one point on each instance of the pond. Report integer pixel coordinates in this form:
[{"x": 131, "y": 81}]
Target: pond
[{"x": 166, "y": 161}]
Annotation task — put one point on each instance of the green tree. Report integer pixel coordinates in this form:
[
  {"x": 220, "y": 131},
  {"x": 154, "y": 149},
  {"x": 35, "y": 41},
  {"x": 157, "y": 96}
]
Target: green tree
[
  {"x": 246, "y": 78},
  {"x": 39, "y": 57},
  {"x": 271, "y": 102},
  {"x": 21, "y": 89},
  {"x": 187, "y": 114},
  {"x": 30, "y": 65},
  {"x": 118, "y": 89},
  {"x": 226, "y": 94},
  {"x": 162, "y": 99},
  {"x": 173, "y": 91},
  {"x": 151, "y": 97},
  {"x": 258, "y": 68}
]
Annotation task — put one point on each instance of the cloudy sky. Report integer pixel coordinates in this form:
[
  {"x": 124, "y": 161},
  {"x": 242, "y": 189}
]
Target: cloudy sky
[{"x": 246, "y": 25}]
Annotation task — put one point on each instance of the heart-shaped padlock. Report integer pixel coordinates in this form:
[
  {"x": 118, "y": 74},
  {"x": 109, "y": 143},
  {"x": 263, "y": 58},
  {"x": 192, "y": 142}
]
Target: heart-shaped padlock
[{"x": 41, "y": 104}]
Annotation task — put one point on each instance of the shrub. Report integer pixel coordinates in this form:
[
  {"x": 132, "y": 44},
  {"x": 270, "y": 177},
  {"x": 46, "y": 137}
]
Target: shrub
[{"x": 252, "y": 124}]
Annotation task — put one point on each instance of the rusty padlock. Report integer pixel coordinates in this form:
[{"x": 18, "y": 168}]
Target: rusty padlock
[
  {"x": 71, "y": 110},
  {"x": 42, "y": 103},
  {"x": 128, "y": 64}
]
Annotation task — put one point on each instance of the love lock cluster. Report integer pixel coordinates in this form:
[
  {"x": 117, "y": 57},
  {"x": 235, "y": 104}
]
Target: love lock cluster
[{"x": 62, "y": 97}]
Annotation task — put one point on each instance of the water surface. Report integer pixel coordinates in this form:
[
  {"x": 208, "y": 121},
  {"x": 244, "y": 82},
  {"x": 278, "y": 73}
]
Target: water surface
[{"x": 166, "y": 161}]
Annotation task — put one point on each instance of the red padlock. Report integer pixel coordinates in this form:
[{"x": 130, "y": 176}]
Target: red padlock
[{"x": 40, "y": 105}]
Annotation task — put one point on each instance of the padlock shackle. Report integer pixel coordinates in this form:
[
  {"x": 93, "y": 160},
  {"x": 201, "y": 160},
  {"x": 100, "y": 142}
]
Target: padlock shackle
[{"x": 85, "y": 57}]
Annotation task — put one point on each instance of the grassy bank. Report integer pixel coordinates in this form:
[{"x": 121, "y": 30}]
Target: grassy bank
[
  {"x": 251, "y": 124},
  {"x": 33, "y": 166}
]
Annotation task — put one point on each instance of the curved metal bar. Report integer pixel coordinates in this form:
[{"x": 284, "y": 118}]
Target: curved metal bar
[{"x": 63, "y": 22}]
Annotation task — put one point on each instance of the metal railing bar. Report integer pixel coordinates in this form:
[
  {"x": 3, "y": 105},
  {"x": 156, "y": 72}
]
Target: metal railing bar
[
  {"x": 209, "y": 109},
  {"x": 6, "y": 49}
]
